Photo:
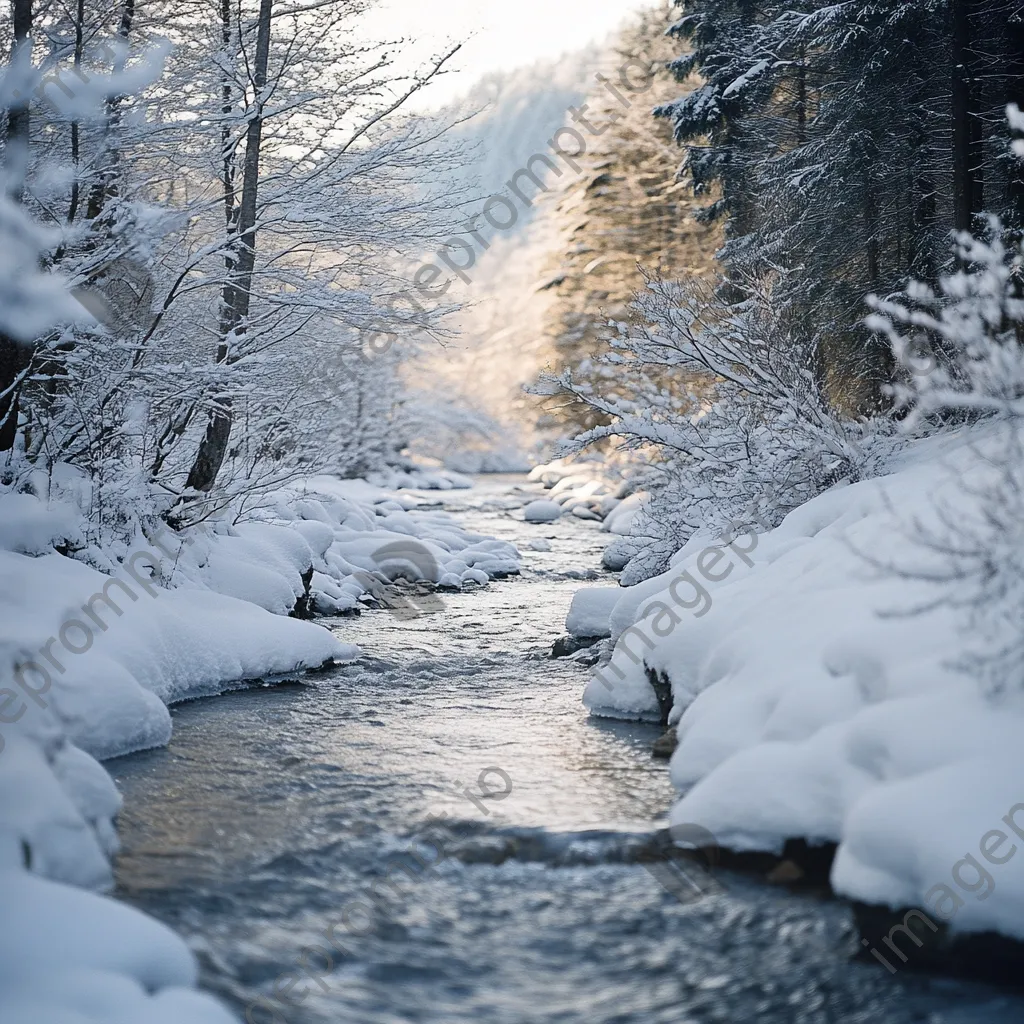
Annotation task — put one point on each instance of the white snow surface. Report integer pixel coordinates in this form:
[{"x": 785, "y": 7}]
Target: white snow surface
[
  {"x": 590, "y": 611},
  {"x": 816, "y": 695},
  {"x": 89, "y": 661}
]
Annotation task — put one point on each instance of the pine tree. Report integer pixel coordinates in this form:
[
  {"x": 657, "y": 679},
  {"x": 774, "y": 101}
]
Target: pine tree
[{"x": 848, "y": 140}]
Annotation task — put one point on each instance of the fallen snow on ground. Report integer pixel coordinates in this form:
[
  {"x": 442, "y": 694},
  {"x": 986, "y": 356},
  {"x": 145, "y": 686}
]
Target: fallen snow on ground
[
  {"x": 92, "y": 650},
  {"x": 816, "y": 696}
]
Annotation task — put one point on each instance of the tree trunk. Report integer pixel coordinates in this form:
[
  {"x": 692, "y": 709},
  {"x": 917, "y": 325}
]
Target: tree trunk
[
  {"x": 968, "y": 197},
  {"x": 801, "y": 97},
  {"x": 1013, "y": 49},
  {"x": 924, "y": 234},
  {"x": 13, "y": 356},
  {"x": 76, "y": 143},
  {"x": 106, "y": 185},
  {"x": 238, "y": 285}
]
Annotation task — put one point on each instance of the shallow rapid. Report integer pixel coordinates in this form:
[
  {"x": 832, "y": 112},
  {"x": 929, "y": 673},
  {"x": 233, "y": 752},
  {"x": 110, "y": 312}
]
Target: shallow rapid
[{"x": 457, "y": 754}]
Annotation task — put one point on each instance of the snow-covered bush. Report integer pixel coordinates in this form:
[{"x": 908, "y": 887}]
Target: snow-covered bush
[
  {"x": 963, "y": 341},
  {"x": 434, "y": 422},
  {"x": 728, "y": 408}
]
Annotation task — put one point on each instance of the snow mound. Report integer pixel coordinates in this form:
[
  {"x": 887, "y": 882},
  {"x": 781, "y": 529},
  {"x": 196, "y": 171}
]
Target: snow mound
[
  {"x": 69, "y": 955},
  {"x": 619, "y": 520},
  {"x": 816, "y": 697},
  {"x": 542, "y": 511},
  {"x": 590, "y": 611},
  {"x": 588, "y": 489},
  {"x": 30, "y": 528}
]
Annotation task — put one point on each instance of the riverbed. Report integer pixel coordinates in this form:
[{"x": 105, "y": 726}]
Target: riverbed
[{"x": 458, "y": 751}]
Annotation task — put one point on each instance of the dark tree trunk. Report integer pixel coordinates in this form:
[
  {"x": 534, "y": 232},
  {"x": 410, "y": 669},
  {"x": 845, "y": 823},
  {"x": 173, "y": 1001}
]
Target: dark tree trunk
[
  {"x": 238, "y": 286},
  {"x": 924, "y": 234},
  {"x": 1013, "y": 70},
  {"x": 16, "y": 143},
  {"x": 801, "y": 98},
  {"x": 968, "y": 197},
  {"x": 76, "y": 144},
  {"x": 13, "y": 356},
  {"x": 106, "y": 186},
  {"x": 875, "y": 359}
]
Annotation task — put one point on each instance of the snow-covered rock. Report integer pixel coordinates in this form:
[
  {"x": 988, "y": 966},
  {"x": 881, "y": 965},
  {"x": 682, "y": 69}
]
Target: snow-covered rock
[
  {"x": 591, "y": 610},
  {"x": 619, "y": 518},
  {"x": 588, "y": 489},
  {"x": 542, "y": 511}
]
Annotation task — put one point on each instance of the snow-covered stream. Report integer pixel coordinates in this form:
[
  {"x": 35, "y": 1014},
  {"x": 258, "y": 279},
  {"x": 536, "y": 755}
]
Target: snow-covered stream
[{"x": 265, "y": 823}]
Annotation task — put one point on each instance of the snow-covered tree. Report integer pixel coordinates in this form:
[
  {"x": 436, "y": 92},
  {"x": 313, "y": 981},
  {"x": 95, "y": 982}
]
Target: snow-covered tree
[
  {"x": 239, "y": 223},
  {"x": 848, "y": 140},
  {"x": 727, "y": 407}
]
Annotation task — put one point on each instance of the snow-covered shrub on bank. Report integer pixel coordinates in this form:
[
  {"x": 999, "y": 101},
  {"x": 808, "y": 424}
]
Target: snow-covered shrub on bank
[
  {"x": 434, "y": 422},
  {"x": 729, "y": 410},
  {"x": 964, "y": 343}
]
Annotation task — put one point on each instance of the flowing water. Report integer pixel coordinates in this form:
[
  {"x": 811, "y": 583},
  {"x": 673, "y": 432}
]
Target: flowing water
[{"x": 440, "y": 834}]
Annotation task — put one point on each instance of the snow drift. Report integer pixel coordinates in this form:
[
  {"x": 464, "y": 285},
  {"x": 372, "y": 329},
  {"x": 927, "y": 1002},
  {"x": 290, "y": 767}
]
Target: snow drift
[{"x": 818, "y": 691}]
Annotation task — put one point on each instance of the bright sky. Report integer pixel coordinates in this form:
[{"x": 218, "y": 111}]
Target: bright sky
[{"x": 498, "y": 34}]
